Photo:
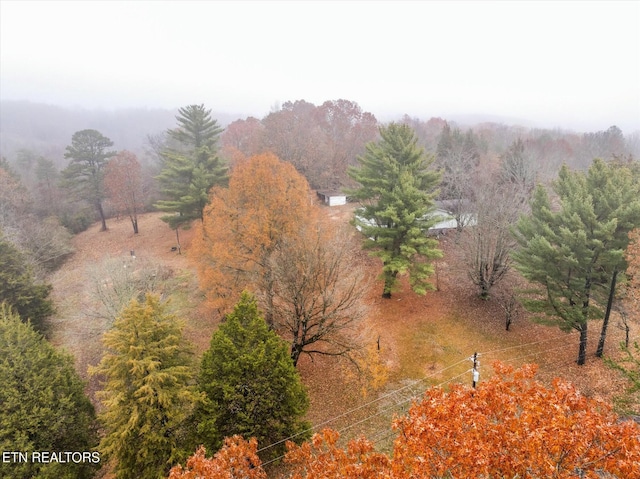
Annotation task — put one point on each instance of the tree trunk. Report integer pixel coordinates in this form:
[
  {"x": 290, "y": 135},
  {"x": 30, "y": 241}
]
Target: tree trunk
[
  {"x": 607, "y": 314},
  {"x": 178, "y": 240},
  {"x": 296, "y": 351},
  {"x": 626, "y": 335},
  {"x": 389, "y": 283},
  {"x": 386, "y": 292},
  {"x": 269, "y": 293},
  {"x": 134, "y": 223},
  {"x": 484, "y": 288},
  {"x": 102, "y": 217},
  {"x": 582, "y": 352}
]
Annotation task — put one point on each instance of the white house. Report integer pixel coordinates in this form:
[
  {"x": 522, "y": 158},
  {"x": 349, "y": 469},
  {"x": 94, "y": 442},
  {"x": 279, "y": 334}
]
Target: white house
[
  {"x": 332, "y": 198},
  {"x": 445, "y": 220}
]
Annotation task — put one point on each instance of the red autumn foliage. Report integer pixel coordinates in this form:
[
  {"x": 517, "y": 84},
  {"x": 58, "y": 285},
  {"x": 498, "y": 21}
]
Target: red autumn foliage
[
  {"x": 510, "y": 426},
  {"x": 238, "y": 459}
]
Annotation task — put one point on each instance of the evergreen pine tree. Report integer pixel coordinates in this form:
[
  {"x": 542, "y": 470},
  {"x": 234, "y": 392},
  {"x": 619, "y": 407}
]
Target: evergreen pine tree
[
  {"x": 516, "y": 167},
  {"x": 562, "y": 253},
  {"x": 85, "y": 174},
  {"x": 192, "y": 168},
  {"x": 397, "y": 194},
  {"x": 616, "y": 194},
  {"x": 42, "y": 405},
  {"x": 19, "y": 289},
  {"x": 148, "y": 393},
  {"x": 252, "y": 388}
]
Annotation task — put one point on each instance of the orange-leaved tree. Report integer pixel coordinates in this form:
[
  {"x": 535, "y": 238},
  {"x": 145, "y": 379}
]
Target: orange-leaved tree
[
  {"x": 267, "y": 200},
  {"x": 322, "y": 458},
  {"x": 238, "y": 459},
  {"x": 510, "y": 426},
  {"x": 123, "y": 182}
]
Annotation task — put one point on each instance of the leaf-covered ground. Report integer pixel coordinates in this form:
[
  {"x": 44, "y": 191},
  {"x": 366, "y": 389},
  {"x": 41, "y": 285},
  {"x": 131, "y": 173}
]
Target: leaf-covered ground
[{"x": 423, "y": 340}]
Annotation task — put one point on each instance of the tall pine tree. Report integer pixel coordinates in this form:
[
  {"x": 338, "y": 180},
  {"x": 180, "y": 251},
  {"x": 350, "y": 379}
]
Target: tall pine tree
[
  {"x": 148, "y": 394},
  {"x": 615, "y": 191},
  {"x": 562, "y": 251},
  {"x": 397, "y": 196},
  {"x": 85, "y": 174},
  {"x": 251, "y": 385},
  {"x": 191, "y": 168}
]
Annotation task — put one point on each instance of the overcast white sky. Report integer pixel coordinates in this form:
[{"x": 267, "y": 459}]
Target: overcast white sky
[{"x": 567, "y": 64}]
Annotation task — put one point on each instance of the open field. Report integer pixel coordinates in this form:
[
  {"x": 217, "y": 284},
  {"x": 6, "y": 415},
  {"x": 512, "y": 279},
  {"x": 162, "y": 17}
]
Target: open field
[{"x": 423, "y": 340}]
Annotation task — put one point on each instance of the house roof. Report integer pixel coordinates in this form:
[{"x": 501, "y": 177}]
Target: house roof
[
  {"x": 330, "y": 193},
  {"x": 453, "y": 205}
]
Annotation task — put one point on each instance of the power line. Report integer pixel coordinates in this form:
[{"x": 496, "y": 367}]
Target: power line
[
  {"x": 414, "y": 383},
  {"x": 395, "y": 392},
  {"x": 374, "y": 415},
  {"x": 362, "y": 406},
  {"x": 535, "y": 353},
  {"x": 386, "y": 436},
  {"x": 395, "y": 405},
  {"x": 494, "y": 351}
]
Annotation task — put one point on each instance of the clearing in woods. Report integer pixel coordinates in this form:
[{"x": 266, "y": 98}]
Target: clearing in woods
[{"x": 423, "y": 340}]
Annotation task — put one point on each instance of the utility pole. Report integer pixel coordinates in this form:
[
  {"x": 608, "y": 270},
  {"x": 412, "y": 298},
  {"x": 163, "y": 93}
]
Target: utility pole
[{"x": 474, "y": 371}]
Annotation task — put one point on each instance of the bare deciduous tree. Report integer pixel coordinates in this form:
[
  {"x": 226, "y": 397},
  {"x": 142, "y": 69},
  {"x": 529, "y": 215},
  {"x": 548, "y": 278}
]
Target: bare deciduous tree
[
  {"x": 45, "y": 243},
  {"x": 458, "y": 157},
  {"x": 488, "y": 244},
  {"x": 318, "y": 294},
  {"x": 518, "y": 167},
  {"x": 507, "y": 298},
  {"x": 116, "y": 281}
]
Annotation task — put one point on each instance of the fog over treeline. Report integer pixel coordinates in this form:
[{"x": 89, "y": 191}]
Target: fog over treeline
[{"x": 46, "y": 130}]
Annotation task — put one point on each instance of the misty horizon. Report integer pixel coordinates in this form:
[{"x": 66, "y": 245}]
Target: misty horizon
[
  {"x": 566, "y": 65},
  {"x": 465, "y": 120}
]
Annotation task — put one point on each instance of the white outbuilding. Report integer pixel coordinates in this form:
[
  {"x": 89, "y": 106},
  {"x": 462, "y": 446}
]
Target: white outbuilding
[{"x": 332, "y": 198}]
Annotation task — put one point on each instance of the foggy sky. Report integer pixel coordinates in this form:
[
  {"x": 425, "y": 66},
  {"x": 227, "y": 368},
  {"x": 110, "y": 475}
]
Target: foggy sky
[{"x": 573, "y": 65}]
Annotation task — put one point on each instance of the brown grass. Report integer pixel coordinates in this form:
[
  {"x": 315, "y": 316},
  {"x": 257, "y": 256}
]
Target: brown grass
[{"x": 421, "y": 337}]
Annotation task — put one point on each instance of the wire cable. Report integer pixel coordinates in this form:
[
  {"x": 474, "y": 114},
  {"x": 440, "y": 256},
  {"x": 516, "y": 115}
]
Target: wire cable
[
  {"x": 413, "y": 384},
  {"x": 494, "y": 351},
  {"x": 366, "y": 419},
  {"x": 362, "y": 406}
]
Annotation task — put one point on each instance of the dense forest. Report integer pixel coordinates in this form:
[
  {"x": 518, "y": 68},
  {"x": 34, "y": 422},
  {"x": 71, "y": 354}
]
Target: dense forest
[{"x": 540, "y": 224}]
